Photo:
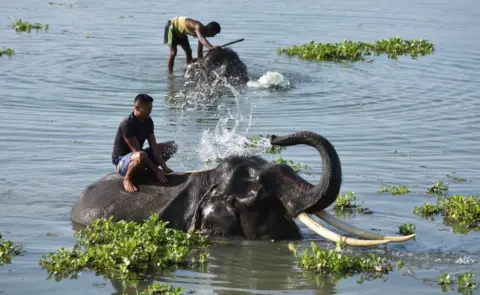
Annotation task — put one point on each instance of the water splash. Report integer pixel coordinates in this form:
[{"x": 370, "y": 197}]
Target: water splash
[
  {"x": 227, "y": 138},
  {"x": 270, "y": 80}
]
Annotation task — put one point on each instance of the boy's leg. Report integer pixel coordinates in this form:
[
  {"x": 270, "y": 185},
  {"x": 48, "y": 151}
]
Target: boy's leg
[{"x": 127, "y": 167}]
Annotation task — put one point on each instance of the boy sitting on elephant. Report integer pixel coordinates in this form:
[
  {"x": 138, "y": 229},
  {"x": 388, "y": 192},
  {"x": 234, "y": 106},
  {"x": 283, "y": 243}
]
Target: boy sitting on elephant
[{"x": 128, "y": 156}]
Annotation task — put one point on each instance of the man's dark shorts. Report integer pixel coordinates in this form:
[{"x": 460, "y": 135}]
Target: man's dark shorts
[
  {"x": 122, "y": 162},
  {"x": 170, "y": 38}
]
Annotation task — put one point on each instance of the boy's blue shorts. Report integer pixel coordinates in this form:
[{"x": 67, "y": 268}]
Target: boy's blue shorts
[{"x": 123, "y": 161}]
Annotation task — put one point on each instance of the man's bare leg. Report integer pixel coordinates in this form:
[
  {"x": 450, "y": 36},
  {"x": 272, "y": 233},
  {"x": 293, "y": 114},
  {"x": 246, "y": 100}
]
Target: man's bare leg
[
  {"x": 188, "y": 52},
  {"x": 171, "y": 58},
  {"x": 137, "y": 160}
]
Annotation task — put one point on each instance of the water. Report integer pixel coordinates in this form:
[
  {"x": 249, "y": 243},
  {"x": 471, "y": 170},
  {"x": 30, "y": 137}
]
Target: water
[{"x": 63, "y": 95}]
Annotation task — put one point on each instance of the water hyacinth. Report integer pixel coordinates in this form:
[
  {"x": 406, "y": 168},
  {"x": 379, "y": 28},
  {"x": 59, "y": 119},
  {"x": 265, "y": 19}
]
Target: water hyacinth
[
  {"x": 8, "y": 250},
  {"x": 455, "y": 209},
  {"x": 124, "y": 250},
  {"x": 23, "y": 26},
  {"x": 406, "y": 229},
  {"x": 157, "y": 289},
  {"x": 7, "y": 51},
  {"x": 395, "y": 190},
  {"x": 335, "y": 264},
  {"x": 356, "y": 51}
]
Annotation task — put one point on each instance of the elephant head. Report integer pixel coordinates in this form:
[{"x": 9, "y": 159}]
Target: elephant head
[
  {"x": 243, "y": 196},
  {"x": 221, "y": 64}
]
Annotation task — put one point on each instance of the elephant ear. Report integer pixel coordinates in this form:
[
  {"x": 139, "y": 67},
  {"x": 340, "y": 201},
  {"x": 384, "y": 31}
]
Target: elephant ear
[{"x": 197, "y": 217}]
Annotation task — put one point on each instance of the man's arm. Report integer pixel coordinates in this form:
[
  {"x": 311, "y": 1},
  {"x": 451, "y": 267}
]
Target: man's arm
[
  {"x": 152, "y": 141},
  {"x": 132, "y": 143},
  {"x": 201, "y": 38}
]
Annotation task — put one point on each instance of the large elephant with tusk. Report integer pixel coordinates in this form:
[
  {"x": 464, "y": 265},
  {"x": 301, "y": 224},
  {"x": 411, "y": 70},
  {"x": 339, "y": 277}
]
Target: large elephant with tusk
[{"x": 242, "y": 197}]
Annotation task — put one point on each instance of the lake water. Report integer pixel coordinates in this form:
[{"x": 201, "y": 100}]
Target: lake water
[{"x": 62, "y": 96}]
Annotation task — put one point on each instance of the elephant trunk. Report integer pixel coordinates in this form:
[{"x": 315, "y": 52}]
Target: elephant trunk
[
  {"x": 310, "y": 198},
  {"x": 304, "y": 198}
]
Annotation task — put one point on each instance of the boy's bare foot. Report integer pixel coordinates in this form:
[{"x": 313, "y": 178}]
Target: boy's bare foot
[{"x": 128, "y": 185}]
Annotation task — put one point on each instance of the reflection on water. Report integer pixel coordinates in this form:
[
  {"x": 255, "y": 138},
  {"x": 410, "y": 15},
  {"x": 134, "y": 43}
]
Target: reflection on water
[{"x": 243, "y": 266}]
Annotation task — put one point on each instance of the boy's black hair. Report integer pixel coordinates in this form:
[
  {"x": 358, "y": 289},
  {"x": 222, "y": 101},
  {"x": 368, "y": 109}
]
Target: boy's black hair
[
  {"x": 143, "y": 98},
  {"x": 214, "y": 26}
]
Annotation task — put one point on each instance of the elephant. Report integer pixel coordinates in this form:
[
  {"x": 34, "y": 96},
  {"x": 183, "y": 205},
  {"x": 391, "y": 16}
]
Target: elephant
[
  {"x": 221, "y": 64},
  {"x": 242, "y": 197}
]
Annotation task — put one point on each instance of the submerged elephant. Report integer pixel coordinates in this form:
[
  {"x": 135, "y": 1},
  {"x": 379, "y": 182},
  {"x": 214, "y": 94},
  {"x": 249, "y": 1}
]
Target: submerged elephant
[
  {"x": 222, "y": 64},
  {"x": 243, "y": 196}
]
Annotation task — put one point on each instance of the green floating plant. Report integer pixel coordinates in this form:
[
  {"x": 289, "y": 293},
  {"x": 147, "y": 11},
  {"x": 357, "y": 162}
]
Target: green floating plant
[
  {"x": 456, "y": 178},
  {"x": 400, "y": 190},
  {"x": 7, "y": 51},
  {"x": 336, "y": 265},
  {"x": 157, "y": 289},
  {"x": 406, "y": 229},
  {"x": 347, "y": 203},
  {"x": 457, "y": 210},
  {"x": 356, "y": 51},
  {"x": 295, "y": 166},
  {"x": 438, "y": 188},
  {"x": 22, "y": 26},
  {"x": 253, "y": 142},
  {"x": 125, "y": 250},
  {"x": 464, "y": 282},
  {"x": 8, "y": 250}
]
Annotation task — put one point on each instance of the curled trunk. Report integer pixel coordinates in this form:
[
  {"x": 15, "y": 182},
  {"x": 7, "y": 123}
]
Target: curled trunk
[{"x": 312, "y": 198}]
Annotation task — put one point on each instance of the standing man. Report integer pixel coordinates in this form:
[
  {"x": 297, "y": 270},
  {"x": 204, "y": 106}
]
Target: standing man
[
  {"x": 176, "y": 31},
  {"x": 128, "y": 157}
]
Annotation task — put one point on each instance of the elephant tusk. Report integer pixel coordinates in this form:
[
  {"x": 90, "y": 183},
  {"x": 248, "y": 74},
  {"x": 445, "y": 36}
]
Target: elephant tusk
[
  {"x": 340, "y": 224},
  {"x": 334, "y": 237}
]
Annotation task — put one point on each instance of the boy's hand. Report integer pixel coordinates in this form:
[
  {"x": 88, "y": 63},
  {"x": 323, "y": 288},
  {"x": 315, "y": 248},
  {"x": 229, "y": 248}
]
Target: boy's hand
[{"x": 161, "y": 175}]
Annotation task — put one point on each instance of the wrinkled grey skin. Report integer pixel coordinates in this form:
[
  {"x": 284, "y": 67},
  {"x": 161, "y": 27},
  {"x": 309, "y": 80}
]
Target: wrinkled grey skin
[
  {"x": 244, "y": 197},
  {"x": 219, "y": 65}
]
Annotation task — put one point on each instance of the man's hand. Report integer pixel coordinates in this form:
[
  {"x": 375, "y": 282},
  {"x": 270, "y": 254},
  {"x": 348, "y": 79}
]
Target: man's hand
[
  {"x": 161, "y": 175},
  {"x": 214, "y": 47}
]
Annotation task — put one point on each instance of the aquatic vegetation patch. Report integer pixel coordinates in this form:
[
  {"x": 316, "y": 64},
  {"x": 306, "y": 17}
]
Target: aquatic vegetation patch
[
  {"x": 156, "y": 289},
  {"x": 8, "y": 250},
  {"x": 23, "y": 26},
  {"x": 335, "y": 264},
  {"x": 464, "y": 282},
  {"x": 254, "y": 141},
  {"x": 125, "y": 250},
  {"x": 438, "y": 188},
  {"x": 347, "y": 203},
  {"x": 400, "y": 190},
  {"x": 455, "y": 209},
  {"x": 456, "y": 178},
  {"x": 7, "y": 51},
  {"x": 295, "y": 166},
  {"x": 356, "y": 51},
  {"x": 406, "y": 229}
]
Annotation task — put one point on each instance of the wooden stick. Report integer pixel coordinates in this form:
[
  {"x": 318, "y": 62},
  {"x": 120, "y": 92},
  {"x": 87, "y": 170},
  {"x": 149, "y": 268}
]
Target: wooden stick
[
  {"x": 229, "y": 43},
  {"x": 186, "y": 172}
]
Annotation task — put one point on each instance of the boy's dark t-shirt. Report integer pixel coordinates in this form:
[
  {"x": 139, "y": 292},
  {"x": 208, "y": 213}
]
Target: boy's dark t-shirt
[{"x": 130, "y": 127}]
